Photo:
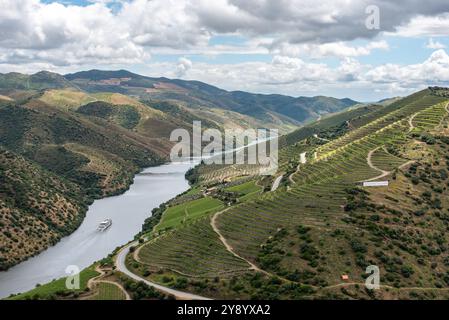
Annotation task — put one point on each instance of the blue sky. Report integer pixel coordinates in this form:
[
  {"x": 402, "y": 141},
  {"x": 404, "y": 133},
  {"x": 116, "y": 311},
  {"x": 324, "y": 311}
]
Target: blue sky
[{"x": 291, "y": 47}]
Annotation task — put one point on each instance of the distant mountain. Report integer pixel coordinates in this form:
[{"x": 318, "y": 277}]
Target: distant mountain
[
  {"x": 388, "y": 101},
  {"x": 278, "y": 110},
  {"x": 224, "y": 108},
  {"x": 39, "y": 81}
]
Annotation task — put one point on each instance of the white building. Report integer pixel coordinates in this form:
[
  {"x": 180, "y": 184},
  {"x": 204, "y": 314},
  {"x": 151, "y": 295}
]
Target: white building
[
  {"x": 375, "y": 184},
  {"x": 303, "y": 158}
]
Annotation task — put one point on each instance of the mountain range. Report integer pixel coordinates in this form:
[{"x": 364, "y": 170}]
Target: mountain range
[{"x": 236, "y": 108}]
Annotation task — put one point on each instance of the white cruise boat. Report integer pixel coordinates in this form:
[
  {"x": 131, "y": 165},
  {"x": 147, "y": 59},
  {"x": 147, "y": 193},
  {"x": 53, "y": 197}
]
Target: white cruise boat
[{"x": 104, "y": 225}]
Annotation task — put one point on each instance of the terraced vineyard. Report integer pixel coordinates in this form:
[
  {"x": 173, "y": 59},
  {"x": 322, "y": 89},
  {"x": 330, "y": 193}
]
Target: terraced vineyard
[
  {"x": 322, "y": 224},
  {"x": 429, "y": 118},
  {"x": 108, "y": 291},
  {"x": 211, "y": 174},
  {"x": 184, "y": 213},
  {"x": 384, "y": 160},
  {"x": 192, "y": 250}
]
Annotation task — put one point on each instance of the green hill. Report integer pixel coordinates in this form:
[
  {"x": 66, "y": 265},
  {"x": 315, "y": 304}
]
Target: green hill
[
  {"x": 205, "y": 101},
  {"x": 37, "y": 208},
  {"x": 321, "y": 224},
  {"x": 125, "y": 116},
  {"x": 55, "y": 163},
  {"x": 38, "y": 81}
]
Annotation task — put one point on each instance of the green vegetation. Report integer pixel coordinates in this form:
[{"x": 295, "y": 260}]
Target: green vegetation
[
  {"x": 140, "y": 290},
  {"x": 386, "y": 160},
  {"x": 108, "y": 291},
  {"x": 293, "y": 243},
  {"x": 321, "y": 224},
  {"x": 192, "y": 248},
  {"x": 246, "y": 190},
  {"x": 123, "y": 115},
  {"x": 63, "y": 162},
  {"x": 57, "y": 288},
  {"x": 193, "y": 100},
  {"x": 37, "y": 208},
  {"x": 184, "y": 213},
  {"x": 54, "y": 163},
  {"x": 38, "y": 81}
]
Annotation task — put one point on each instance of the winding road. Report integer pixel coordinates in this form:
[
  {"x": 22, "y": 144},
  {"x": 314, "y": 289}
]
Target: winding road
[
  {"x": 290, "y": 177},
  {"x": 121, "y": 256},
  {"x": 410, "y": 122},
  {"x": 92, "y": 281},
  {"x": 121, "y": 266},
  {"x": 372, "y": 166},
  {"x": 213, "y": 223},
  {"x": 276, "y": 183}
]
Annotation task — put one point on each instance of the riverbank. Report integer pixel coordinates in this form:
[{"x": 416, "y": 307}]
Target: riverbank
[
  {"x": 43, "y": 208},
  {"x": 149, "y": 189}
]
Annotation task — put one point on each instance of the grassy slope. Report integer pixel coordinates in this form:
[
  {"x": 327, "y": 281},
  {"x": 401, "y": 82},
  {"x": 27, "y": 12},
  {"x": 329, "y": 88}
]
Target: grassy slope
[
  {"x": 183, "y": 213},
  {"x": 247, "y": 190},
  {"x": 321, "y": 227},
  {"x": 57, "y": 287},
  {"x": 108, "y": 291}
]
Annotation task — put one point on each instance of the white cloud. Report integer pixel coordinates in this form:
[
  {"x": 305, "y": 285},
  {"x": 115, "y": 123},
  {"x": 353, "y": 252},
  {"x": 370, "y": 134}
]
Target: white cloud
[
  {"x": 183, "y": 66},
  {"x": 301, "y": 21},
  {"x": 71, "y": 34},
  {"x": 335, "y": 49},
  {"x": 427, "y": 26},
  {"x": 35, "y": 35},
  {"x": 166, "y": 23},
  {"x": 433, "y": 71},
  {"x": 295, "y": 77},
  {"x": 432, "y": 44},
  {"x": 53, "y": 33}
]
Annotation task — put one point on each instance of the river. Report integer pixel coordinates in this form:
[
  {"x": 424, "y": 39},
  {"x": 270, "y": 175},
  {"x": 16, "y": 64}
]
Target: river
[
  {"x": 152, "y": 187},
  {"x": 128, "y": 211}
]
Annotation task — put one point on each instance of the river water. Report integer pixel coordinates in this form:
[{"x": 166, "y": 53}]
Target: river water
[
  {"x": 128, "y": 211},
  {"x": 86, "y": 245}
]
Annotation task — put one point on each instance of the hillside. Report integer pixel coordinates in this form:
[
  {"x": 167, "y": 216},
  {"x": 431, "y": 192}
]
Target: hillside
[
  {"x": 75, "y": 156},
  {"x": 321, "y": 224},
  {"x": 38, "y": 81},
  {"x": 92, "y": 131},
  {"x": 238, "y": 108},
  {"x": 37, "y": 208},
  {"x": 220, "y": 108}
]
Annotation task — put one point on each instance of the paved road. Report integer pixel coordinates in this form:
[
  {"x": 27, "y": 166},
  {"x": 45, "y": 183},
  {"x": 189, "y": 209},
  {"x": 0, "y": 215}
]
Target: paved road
[{"x": 120, "y": 265}]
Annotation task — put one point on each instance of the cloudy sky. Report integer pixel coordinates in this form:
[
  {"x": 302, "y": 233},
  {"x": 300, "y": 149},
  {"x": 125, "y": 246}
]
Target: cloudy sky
[{"x": 295, "y": 47}]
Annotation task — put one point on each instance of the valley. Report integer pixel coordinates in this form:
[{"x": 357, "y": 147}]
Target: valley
[
  {"x": 66, "y": 141},
  {"x": 224, "y": 159},
  {"x": 308, "y": 232}
]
